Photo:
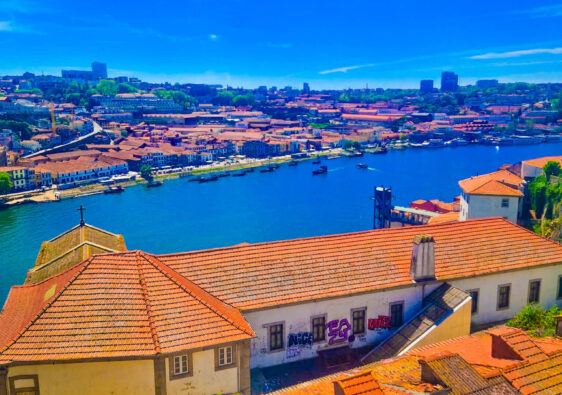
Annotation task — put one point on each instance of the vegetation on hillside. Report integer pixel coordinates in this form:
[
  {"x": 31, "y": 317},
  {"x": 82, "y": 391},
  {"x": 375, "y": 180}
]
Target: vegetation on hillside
[{"x": 5, "y": 183}]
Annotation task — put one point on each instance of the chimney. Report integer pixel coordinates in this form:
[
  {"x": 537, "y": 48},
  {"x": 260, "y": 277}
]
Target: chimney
[{"x": 422, "y": 266}]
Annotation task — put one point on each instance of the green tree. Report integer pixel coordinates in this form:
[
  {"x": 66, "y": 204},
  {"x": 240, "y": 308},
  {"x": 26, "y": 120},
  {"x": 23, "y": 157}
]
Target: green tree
[
  {"x": 107, "y": 88},
  {"x": 552, "y": 168},
  {"x": 179, "y": 97},
  {"x": 146, "y": 172},
  {"x": 5, "y": 183},
  {"x": 23, "y": 129},
  {"x": 223, "y": 98},
  {"x": 126, "y": 88},
  {"x": 243, "y": 100}
]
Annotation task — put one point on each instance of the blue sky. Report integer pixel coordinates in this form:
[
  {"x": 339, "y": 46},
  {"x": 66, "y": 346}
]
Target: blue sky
[{"x": 249, "y": 43}]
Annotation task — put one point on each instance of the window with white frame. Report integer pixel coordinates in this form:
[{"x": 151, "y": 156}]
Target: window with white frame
[
  {"x": 181, "y": 364},
  {"x": 225, "y": 356}
]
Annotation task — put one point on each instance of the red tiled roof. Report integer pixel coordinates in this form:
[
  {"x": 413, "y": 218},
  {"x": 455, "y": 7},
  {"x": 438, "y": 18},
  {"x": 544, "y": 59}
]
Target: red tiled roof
[
  {"x": 274, "y": 273},
  {"x": 542, "y": 377},
  {"x": 362, "y": 383},
  {"x": 500, "y": 183},
  {"x": 114, "y": 305}
]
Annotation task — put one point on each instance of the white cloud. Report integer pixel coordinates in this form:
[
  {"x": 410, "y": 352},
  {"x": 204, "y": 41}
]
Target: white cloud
[
  {"x": 516, "y": 54},
  {"x": 541, "y": 12},
  {"x": 213, "y": 36},
  {"x": 346, "y": 69}
]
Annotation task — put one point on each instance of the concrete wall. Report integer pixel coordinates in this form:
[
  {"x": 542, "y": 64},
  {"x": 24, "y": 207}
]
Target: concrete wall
[
  {"x": 519, "y": 280},
  {"x": 95, "y": 378},
  {"x": 205, "y": 380},
  {"x": 528, "y": 171},
  {"x": 297, "y": 318},
  {"x": 455, "y": 325},
  {"x": 482, "y": 206}
]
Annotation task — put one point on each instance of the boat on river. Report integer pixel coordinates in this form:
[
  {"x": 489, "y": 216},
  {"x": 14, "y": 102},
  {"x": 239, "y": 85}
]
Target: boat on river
[
  {"x": 114, "y": 189},
  {"x": 268, "y": 169},
  {"x": 320, "y": 170},
  {"x": 208, "y": 179},
  {"x": 362, "y": 166},
  {"x": 239, "y": 174},
  {"x": 293, "y": 163},
  {"x": 154, "y": 184}
]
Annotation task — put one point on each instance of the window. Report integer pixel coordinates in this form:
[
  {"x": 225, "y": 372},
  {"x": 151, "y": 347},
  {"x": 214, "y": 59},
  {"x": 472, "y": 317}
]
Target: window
[
  {"x": 319, "y": 328},
  {"x": 225, "y": 356},
  {"x": 503, "y": 296},
  {"x": 358, "y": 318},
  {"x": 396, "y": 314},
  {"x": 24, "y": 384},
  {"x": 559, "y": 296},
  {"x": 474, "y": 295},
  {"x": 275, "y": 337},
  {"x": 534, "y": 291},
  {"x": 505, "y": 202},
  {"x": 181, "y": 364}
]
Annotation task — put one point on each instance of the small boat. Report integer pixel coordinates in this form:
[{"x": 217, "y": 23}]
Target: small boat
[
  {"x": 274, "y": 166},
  {"x": 114, "y": 189},
  {"x": 316, "y": 161},
  {"x": 332, "y": 157},
  {"x": 208, "y": 179},
  {"x": 240, "y": 174},
  {"x": 293, "y": 163},
  {"x": 267, "y": 170},
  {"x": 193, "y": 179},
  {"x": 154, "y": 184},
  {"x": 249, "y": 170},
  {"x": 225, "y": 174},
  {"x": 380, "y": 151},
  {"x": 321, "y": 170},
  {"x": 362, "y": 166},
  {"x": 355, "y": 154}
]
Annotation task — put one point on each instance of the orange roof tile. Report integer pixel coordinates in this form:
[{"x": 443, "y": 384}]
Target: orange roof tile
[
  {"x": 443, "y": 218},
  {"x": 274, "y": 273},
  {"x": 114, "y": 305},
  {"x": 362, "y": 383},
  {"x": 500, "y": 183},
  {"x": 542, "y": 377},
  {"x": 540, "y": 162}
]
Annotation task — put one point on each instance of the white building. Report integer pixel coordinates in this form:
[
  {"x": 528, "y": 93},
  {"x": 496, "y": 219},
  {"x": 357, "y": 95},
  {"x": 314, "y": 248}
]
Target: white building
[
  {"x": 533, "y": 167},
  {"x": 497, "y": 194}
]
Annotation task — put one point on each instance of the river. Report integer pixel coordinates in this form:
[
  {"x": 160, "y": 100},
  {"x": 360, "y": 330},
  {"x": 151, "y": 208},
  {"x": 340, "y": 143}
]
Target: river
[{"x": 287, "y": 203}]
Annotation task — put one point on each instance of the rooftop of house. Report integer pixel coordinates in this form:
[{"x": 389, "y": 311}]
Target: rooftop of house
[
  {"x": 269, "y": 274},
  {"x": 498, "y": 183},
  {"x": 465, "y": 365},
  {"x": 114, "y": 305},
  {"x": 540, "y": 162}
]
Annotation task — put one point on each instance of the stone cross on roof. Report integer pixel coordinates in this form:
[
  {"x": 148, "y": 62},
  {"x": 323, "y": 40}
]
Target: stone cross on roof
[{"x": 81, "y": 209}]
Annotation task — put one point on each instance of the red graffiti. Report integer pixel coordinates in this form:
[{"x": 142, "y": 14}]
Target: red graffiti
[{"x": 382, "y": 322}]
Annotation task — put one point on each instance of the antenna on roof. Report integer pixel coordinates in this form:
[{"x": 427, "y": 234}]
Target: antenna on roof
[{"x": 81, "y": 209}]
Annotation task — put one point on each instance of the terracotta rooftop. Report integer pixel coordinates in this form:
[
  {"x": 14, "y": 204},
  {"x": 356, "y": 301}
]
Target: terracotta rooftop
[
  {"x": 362, "y": 383},
  {"x": 455, "y": 365},
  {"x": 443, "y": 218},
  {"x": 500, "y": 183},
  {"x": 270, "y": 274},
  {"x": 540, "y": 162},
  {"x": 114, "y": 305}
]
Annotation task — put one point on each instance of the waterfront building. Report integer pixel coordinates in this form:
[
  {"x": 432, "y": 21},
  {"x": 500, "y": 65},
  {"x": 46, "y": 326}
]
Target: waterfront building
[
  {"x": 22, "y": 178},
  {"x": 449, "y": 81},
  {"x": 495, "y": 194},
  {"x": 161, "y": 321},
  {"x": 426, "y": 86}
]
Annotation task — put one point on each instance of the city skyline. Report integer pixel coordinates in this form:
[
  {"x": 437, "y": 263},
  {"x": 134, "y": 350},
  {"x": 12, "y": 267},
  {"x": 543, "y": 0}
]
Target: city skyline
[{"x": 250, "y": 44}]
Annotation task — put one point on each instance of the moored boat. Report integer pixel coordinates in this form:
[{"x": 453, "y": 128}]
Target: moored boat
[
  {"x": 114, "y": 189},
  {"x": 362, "y": 166},
  {"x": 208, "y": 179},
  {"x": 320, "y": 170},
  {"x": 154, "y": 184}
]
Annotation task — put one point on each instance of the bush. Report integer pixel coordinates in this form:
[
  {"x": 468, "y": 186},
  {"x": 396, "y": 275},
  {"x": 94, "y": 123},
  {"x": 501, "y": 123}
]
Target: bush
[{"x": 537, "y": 321}]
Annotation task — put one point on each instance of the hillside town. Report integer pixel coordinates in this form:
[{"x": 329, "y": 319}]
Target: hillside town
[{"x": 85, "y": 126}]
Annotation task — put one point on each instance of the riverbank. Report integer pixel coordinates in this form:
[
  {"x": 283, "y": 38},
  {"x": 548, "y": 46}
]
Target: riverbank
[{"x": 95, "y": 189}]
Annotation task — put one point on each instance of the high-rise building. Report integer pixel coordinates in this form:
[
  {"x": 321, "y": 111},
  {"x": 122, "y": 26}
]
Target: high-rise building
[
  {"x": 426, "y": 86},
  {"x": 449, "y": 81},
  {"x": 484, "y": 84},
  {"x": 99, "y": 70},
  {"x": 305, "y": 88}
]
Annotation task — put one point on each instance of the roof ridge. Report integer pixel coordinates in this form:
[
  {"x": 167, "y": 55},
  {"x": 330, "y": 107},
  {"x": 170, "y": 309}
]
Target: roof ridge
[
  {"x": 53, "y": 300},
  {"x": 146, "y": 299},
  {"x": 181, "y": 282}
]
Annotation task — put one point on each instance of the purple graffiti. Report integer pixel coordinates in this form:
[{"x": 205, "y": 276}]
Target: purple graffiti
[
  {"x": 338, "y": 331},
  {"x": 382, "y": 322}
]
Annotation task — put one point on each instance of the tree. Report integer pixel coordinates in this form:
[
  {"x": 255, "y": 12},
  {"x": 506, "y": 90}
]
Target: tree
[
  {"x": 126, "y": 88},
  {"x": 22, "y": 128},
  {"x": 5, "y": 183},
  {"x": 223, "y": 98},
  {"x": 243, "y": 100},
  {"x": 536, "y": 319},
  {"x": 552, "y": 168},
  {"x": 146, "y": 172},
  {"x": 179, "y": 97},
  {"x": 107, "y": 88}
]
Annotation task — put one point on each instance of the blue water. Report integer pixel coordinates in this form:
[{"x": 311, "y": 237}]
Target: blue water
[{"x": 288, "y": 203}]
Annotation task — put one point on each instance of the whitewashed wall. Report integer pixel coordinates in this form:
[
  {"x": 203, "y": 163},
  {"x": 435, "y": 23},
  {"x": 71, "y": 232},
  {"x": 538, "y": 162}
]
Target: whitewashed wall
[
  {"x": 297, "y": 318},
  {"x": 482, "y": 206}
]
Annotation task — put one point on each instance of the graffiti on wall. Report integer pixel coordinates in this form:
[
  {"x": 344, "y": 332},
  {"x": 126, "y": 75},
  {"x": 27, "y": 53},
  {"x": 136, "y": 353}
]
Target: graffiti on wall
[
  {"x": 382, "y": 322},
  {"x": 339, "y": 331},
  {"x": 301, "y": 339}
]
